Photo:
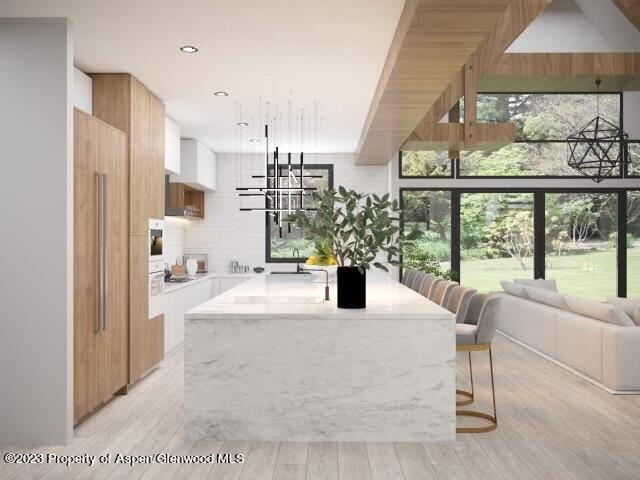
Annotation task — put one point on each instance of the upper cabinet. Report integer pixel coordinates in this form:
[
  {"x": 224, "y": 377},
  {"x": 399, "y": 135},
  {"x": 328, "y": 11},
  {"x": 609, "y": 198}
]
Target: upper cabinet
[
  {"x": 197, "y": 166},
  {"x": 171, "y": 147},
  {"x": 124, "y": 102}
]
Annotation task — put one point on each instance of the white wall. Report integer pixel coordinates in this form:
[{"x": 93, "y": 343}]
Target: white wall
[
  {"x": 82, "y": 91},
  {"x": 36, "y": 213},
  {"x": 578, "y": 26},
  {"x": 228, "y": 234},
  {"x": 173, "y": 239}
]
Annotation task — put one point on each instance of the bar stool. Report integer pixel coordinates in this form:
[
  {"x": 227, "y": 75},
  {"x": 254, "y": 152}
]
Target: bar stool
[
  {"x": 474, "y": 335},
  {"x": 407, "y": 277},
  {"x": 443, "y": 291},
  {"x": 459, "y": 301},
  {"x": 434, "y": 288},
  {"x": 417, "y": 281},
  {"x": 428, "y": 282}
]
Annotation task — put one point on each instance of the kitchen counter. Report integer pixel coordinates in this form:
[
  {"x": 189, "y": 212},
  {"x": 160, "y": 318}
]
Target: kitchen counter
[
  {"x": 170, "y": 287},
  {"x": 270, "y": 360}
]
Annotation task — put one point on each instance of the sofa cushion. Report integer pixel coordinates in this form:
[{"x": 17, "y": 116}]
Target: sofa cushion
[
  {"x": 513, "y": 289},
  {"x": 600, "y": 311},
  {"x": 547, "y": 297},
  {"x": 630, "y": 306},
  {"x": 538, "y": 283}
]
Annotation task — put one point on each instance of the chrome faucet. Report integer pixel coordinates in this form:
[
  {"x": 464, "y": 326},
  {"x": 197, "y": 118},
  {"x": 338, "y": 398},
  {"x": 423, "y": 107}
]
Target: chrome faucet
[{"x": 296, "y": 253}]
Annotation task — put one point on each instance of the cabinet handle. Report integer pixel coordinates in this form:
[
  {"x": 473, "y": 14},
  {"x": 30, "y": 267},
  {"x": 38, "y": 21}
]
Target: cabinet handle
[
  {"x": 99, "y": 242},
  {"x": 105, "y": 198}
]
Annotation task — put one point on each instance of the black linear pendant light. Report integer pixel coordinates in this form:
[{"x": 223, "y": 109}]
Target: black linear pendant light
[
  {"x": 283, "y": 190},
  {"x": 598, "y": 149}
]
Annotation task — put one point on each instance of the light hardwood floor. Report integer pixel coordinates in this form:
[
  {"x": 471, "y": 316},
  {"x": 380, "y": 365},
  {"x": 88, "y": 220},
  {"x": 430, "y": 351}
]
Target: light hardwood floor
[{"x": 552, "y": 425}]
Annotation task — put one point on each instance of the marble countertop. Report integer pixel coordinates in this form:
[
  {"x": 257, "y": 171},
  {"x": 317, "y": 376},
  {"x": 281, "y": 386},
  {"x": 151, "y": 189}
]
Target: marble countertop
[
  {"x": 286, "y": 296},
  {"x": 170, "y": 287}
]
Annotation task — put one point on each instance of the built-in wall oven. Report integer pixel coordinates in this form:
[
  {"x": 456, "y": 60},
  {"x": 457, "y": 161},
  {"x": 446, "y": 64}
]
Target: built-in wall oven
[
  {"x": 156, "y": 268},
  {"x": 156, "y": 228}
]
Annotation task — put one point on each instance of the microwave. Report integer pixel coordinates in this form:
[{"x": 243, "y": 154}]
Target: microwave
[{"x": 156, "y": 229}]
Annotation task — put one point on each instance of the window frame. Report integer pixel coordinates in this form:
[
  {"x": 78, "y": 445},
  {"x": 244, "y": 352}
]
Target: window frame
[{"x": 267, "y": 249}]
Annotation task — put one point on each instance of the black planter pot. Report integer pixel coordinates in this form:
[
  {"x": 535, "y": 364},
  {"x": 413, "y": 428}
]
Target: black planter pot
[{"x": 352, "y": 288}]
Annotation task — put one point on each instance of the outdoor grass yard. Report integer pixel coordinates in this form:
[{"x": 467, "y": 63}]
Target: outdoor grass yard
[{"x": 591, "y": 275}]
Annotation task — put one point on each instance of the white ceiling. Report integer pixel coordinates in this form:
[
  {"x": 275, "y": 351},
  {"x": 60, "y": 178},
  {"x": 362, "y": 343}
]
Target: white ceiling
[{"x": 331, "y": 51}]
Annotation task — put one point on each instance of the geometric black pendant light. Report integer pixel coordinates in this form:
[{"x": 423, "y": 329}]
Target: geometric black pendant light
[{"x": 598, "y": 149}]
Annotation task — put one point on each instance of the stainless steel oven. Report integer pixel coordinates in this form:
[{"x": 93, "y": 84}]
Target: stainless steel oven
[
  {"x": 156, "y": 228},
  {"x": 156, "y": 288}
]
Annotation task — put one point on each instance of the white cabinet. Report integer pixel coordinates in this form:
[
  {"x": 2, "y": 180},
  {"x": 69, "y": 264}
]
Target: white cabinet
[
  {"x": 197, "y": 165},
  {"x": 171, "y": 146},
  {"x": 178, "y": 302}
]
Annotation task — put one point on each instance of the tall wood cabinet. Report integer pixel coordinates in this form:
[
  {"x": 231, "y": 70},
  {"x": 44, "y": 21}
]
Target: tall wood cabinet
[
  {"x": 124, "y": 102},
  {"x": 101, "y": 260}
]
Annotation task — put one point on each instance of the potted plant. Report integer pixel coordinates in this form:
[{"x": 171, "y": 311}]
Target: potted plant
[{"x": 357, "y": 227}]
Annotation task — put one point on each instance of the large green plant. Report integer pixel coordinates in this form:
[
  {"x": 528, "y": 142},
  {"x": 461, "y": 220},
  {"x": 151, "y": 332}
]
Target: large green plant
[{"x": 358, "y": 226}]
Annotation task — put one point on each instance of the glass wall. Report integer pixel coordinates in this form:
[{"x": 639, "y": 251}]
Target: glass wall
[
  {"x": 496, "y": 238},
  {"x": 431, "y": 212},
  {"x": 425, "y": 164},
  {"x": 543, "y": 122},
  {"x": 633, "y": 244},
  {"x": 581, "y": 243}
]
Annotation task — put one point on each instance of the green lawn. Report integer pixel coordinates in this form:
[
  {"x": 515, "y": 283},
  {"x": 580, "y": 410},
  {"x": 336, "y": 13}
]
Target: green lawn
[{"x": 591, "y": 275}]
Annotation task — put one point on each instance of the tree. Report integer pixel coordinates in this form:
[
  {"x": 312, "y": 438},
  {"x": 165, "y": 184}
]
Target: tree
[
  {"x": 512, "y": 235},
  {"x": 580, "y": 218}
]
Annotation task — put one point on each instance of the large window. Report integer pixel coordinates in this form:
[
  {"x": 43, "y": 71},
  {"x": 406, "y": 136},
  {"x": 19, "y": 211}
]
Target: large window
[
  {"x": 425, "y": 164},
  {"x": 543, "y": 122},
  {"x": 496, "y": 238},
  {"x": 282, "y": 240},
  {"x": 633, "y": 244},
  {"x": 431, "y": 212},
  {"x": 581, "y": 242},
  {"x": 586, "y": 240}
]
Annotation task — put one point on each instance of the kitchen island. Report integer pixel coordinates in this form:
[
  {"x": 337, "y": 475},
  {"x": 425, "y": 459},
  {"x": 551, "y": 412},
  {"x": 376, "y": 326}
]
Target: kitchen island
[{"x": 271, "y": 360}]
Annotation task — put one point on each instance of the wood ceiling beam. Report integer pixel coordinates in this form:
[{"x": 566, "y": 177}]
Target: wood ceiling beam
[
  {"x": 434, "y": 40},
  {"x": 630, "y": 9},
  {"x": 452, "y": 137},
  {"x": 562, "y": 71},
  {"x": 516, "y": 17}
]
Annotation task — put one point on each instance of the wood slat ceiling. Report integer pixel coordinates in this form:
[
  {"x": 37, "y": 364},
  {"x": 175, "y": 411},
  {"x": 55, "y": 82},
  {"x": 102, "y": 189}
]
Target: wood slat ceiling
[{"x": 433, "y": 41}]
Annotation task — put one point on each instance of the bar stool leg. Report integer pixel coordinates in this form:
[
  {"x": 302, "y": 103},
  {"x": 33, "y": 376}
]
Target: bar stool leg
[
  {"x": 464, "y": 393},
  {"x": 472, "y": 413}
]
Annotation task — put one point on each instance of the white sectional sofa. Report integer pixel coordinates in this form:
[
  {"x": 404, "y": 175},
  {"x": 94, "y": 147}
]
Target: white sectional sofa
[{"x": 607, "y": 353}]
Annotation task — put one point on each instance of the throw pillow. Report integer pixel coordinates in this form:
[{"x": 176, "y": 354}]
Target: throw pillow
[
  {"x": 598, "y": 310},
  {"x": 513, "y": 289},
  {"x": 628, "y": 305},
  {"x": 538, "y": 283},
  {"x": 547, "y": 297}
]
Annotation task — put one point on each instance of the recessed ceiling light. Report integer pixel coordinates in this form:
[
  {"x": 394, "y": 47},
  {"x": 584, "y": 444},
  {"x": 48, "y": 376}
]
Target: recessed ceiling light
[
  {"x": 254, "y": 139},
  {"x": 221, "y": 94},
  {"x": 242, "y": 124},
  {"x": 188, "y": 49}
]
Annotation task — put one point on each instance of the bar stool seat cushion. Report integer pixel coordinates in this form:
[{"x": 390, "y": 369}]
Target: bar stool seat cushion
[{"x": 466, "y": 333}]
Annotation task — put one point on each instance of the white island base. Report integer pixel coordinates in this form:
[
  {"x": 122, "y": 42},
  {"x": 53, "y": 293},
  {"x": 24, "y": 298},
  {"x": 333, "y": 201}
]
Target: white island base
[{"x": 259, "y": 369}]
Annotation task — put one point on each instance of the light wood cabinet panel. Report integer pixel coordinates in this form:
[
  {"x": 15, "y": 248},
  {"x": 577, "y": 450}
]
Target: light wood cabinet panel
[
  {"x": 140, "y": 158},
  {"x": 114, "y": 345},
  {"x": 146, "y": 335},
  {"x": 156, "y": 163},
  {"x": 100, "y": 263},
  {"x": 86, "y": 265},
  {"x": 139, "y": 358},
  {"x": 123, "y": 101}
]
